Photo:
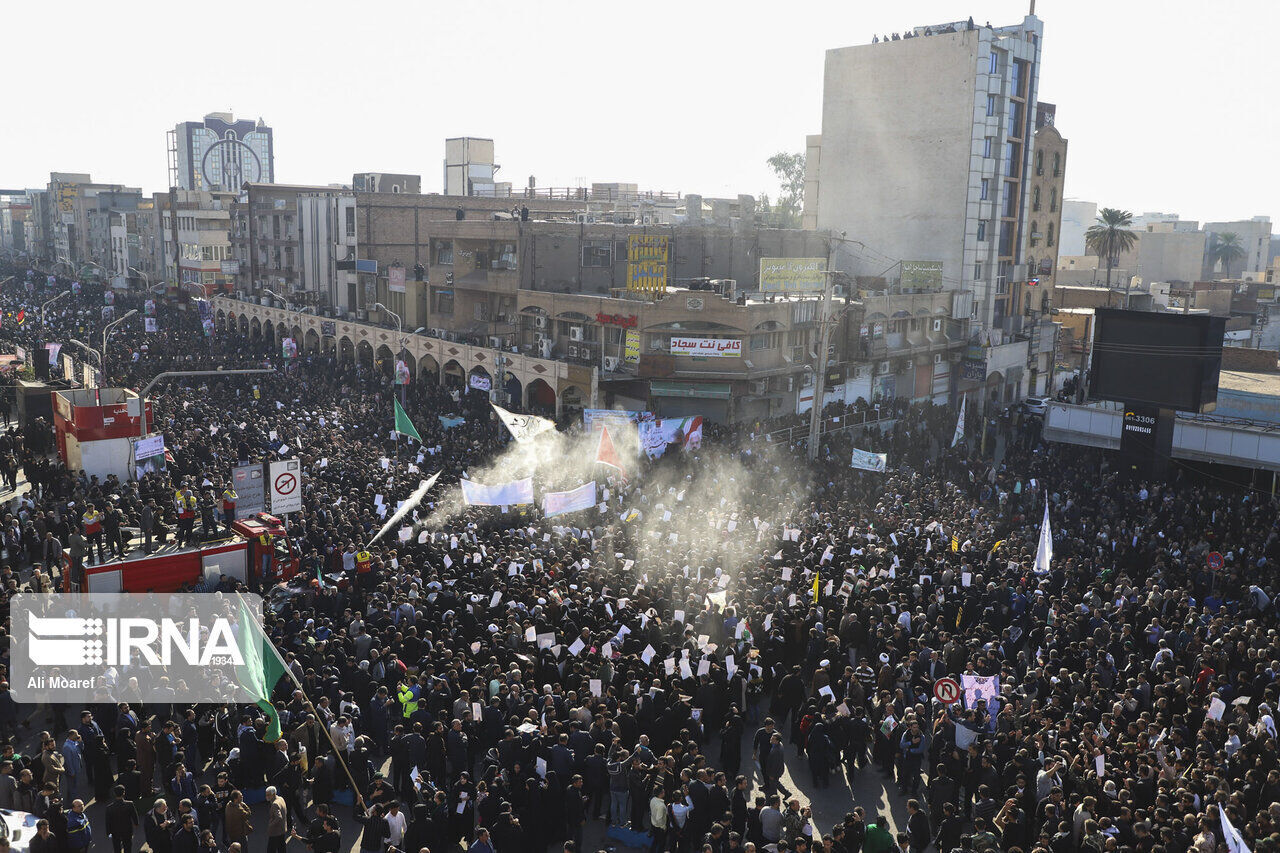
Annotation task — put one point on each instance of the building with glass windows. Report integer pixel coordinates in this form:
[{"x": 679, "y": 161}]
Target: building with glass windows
[{"x": 220, "y": 154}]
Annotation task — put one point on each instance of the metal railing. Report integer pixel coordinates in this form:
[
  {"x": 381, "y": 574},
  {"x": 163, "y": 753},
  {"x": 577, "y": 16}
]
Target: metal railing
[{"x": 838, "y": 423}]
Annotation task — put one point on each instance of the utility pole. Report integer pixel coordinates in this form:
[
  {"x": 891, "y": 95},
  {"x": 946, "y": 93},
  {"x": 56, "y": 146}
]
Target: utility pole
[{"x": 820, "y": 367}]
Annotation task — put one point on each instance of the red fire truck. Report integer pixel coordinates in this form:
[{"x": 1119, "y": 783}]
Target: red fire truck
[{"x": 258, "y": 551}]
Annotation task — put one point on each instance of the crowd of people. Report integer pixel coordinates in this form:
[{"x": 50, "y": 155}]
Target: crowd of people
[{"x": 694, "y": 664}]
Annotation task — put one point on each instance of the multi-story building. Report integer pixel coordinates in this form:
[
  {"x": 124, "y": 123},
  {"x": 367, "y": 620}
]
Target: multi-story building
[
  {"x": 1254, "y": 236},
  {"x": 133, "y": 245},
  {"x": 15, "y": 211},
  {"x": 386, "y": 182},
  {"x": 220, "y": 154},
  {"x": 77, "y": 230},
  {"x": 923, "y": 158},
  {"x": 198, "y": 223},
  {"x": 1077, "y": 217},
  {"x": 1048, "y": 171}
]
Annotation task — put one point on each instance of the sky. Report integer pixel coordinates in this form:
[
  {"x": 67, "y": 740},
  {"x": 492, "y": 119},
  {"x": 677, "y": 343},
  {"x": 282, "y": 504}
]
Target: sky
[{"x": 1164, "y": 102}]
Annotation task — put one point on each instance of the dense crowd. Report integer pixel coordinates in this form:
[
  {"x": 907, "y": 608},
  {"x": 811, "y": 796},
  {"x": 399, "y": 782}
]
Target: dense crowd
[{"x": 666, "y": 664}]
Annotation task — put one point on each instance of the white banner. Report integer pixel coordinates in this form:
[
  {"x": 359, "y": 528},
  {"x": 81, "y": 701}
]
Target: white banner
[
  {"x": 707, "y": 347},
  {"x": 504, "y": 494},
  {"x": 523, "y": 427},
  {"x": 958, "y": 436},
  {"x": 558, "y": 503},
  {"x": 868, "y": 461},
  {"x": 145, "y": 448},
  {"x": 285, "y": 482},
  {"x": 53, "y": 349},
  {"x": 480, "y": 382}
]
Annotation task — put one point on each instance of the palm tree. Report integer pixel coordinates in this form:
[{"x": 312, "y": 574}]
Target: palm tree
[
  {"x": 1225, "y": 249},
  {"x": 1110, "y": 236}
]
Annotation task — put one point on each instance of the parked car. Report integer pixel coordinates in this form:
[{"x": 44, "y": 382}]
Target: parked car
[
  {"x": 1036, "y": 406},
  {"x": 18, "y": 828}
]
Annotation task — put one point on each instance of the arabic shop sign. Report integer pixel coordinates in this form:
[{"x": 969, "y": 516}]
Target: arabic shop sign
[
  {"x": 707, "y": 347},
  {"x": 626, "y": 321}
]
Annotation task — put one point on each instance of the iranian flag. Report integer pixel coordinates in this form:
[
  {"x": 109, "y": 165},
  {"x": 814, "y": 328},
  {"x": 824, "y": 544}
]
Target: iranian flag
[{"x": 263, "y": 668}]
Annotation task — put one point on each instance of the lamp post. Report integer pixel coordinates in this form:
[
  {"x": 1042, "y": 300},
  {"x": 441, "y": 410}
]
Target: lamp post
[
  {"x": 106, "y": 332},
  {"x": 169, "y": 374},
  {"x": 820, "y": 367},
  {"x": 399, "y": 334},
  {"x": 50, "y": 302},
  {"x": 88, "y": 348},
  {"x": 145, "y": 277}
]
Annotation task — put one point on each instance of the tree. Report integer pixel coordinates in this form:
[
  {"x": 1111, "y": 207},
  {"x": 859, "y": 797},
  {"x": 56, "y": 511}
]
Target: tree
[
  {"x": 1226, "y": 249},
  {"x": 790, "y": 171},
  {"x": 1110, "y": 236}
]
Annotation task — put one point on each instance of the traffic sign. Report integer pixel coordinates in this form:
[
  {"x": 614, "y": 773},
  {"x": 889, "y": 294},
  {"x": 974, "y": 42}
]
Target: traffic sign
[
  {"x": 1215, "y": 561},
  {"x": 946, "y": 691},
  {"x": 285, "y": 476}
]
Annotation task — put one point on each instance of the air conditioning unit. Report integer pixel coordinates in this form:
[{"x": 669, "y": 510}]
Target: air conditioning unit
[
  {"x": 646, "y": 219},
  {"x": 539, "y": 322},
  {"x": 362, "y": 314},
  {"x": 610, "y": 363},
  {"x": 882, "y": 368},
  {"x": 575, "y": 333},
  {"x": 573, "y": 352},
  {"x": 759, "y": 387},
  {"x": 586, "y": 219},
  {"x": 937, "y": 324},
  {"x": 495, "y": 342},
  {"x": 859, "y": 371},
  {"x": 544, "y": 348}
]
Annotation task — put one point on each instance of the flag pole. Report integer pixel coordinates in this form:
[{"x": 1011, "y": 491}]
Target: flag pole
[{"x": 310, "y": 706}]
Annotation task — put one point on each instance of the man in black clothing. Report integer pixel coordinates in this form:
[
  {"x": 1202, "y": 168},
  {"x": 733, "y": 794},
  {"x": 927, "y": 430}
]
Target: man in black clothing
[
  {"x": 918, "y": 830},
  {"x": 122, "y": 821},
  {"x": 575, "y": 810}
]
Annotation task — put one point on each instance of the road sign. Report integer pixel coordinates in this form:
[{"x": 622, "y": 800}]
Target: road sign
[
  {"x": 1215, "y": 561},
  {"x": 286, "y": 478},
  {"x": 946, "y": 691}
]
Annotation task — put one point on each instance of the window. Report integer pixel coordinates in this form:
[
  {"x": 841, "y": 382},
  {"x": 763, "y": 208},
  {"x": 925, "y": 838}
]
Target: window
[
  {"x": 991, "y": 104},
  {"x": 1018, "y": 78},
  {"x": 986, "y": 146},
  {"x": 986, "y": 188},
  {"x": 1015, "y": 119},
  {"x": 1057, "y": 164},
  {"x": 1035, "y": 201},
  {"x": 993, "y": 63},
  {"x": 982, "y": 232},
  {"x": 442, "y": 301},
  {"x": 351, "y": 221},
  {"x": 977, "y": 272},
  {"x": 1049, "y": 241},
  {"x": 1053, "y": 200},
  {"x": 1010, "y": 198},
  {"x": 442, "y": 252},
  {"x": 1012, "y": 159},
  {"x": 1035, "y": 228},
  {"x": 1039, "y": 162},
  {"x": 597, "y": 254}
]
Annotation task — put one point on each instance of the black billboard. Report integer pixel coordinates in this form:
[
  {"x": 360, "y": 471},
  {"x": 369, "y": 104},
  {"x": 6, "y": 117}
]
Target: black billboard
[{"x": 1167, "y": 361}]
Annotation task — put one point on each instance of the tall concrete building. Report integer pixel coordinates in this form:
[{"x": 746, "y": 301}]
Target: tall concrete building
[
  {"x": 925, "y": 149},
  {"x": 1077, "y": 216},
  {"x": 220, "y": 154},
  {"x": 1255, "y": 238}
]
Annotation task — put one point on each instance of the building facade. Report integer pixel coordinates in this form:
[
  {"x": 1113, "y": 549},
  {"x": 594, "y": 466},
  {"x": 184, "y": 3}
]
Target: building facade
[
  {"x": 220, "y": 153},
  {"x": 924, "y": 156},
  {"x": 198, "y": 224}
]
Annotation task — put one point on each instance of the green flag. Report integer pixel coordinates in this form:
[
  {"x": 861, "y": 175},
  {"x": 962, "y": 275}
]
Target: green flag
[
  {"x": 404, "y": 426},
  {"x": 263, "y": 668}
]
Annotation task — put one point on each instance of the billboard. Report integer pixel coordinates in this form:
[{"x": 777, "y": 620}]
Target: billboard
[
  {"x": 647, "y": 258},
  {"x": 792, "y": 274},
  {"x": 922, "y": 275},
  {"x": 631, "y": 347},
  {"x": 1165, "y": 361},
  {"x": 395, "y": 279},
  {"x": 707, "y": 347},
  {"x": 247, "y": 481}
]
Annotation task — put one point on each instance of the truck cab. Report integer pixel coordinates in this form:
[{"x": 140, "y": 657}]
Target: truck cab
[{"x": 273, "y": 557}]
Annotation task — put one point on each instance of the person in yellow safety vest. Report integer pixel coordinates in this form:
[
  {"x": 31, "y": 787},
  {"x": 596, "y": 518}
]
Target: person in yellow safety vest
[
  {"x": 185, "y": 503},
  {"x": 408, "y": 697},
  {"x": 364, "y": 561},
  {"x": 264, "y": 558},
  {"x": 229, "y": 498},
  {"x": 92, "y": 519}
]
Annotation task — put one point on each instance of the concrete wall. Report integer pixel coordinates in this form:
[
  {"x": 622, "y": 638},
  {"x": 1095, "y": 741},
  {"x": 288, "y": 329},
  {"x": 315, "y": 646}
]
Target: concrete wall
[
  {"x": 1166, "y": 255},
  {"x": 897, "y": 143},
  {"x": 1077, "y": 216}
]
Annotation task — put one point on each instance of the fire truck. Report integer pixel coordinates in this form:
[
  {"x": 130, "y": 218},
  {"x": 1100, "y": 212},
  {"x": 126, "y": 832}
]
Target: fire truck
[{"x": 258, "y": 552}]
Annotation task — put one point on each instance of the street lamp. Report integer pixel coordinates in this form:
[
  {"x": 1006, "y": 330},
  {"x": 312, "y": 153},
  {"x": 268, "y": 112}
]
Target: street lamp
[
  {"x": 50, "y": 302},
  {"x": 399, "y": 335},
  {"x": 88, "y": 348},
  {"x": 145, "y": 277},
  {"x": 106, "y": 332},
  {"x": 169, "y": 374}
]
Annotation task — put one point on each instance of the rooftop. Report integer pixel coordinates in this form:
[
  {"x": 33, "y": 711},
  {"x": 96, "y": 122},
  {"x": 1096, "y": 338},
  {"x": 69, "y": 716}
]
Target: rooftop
[{"x": 1263, "y": 384}]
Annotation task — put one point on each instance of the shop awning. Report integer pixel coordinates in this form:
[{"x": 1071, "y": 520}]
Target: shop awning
[{"x": 700, "y": 390}]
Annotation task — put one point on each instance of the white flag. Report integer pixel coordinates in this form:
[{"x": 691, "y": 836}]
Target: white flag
[
  {"x": 1044, "y": 551},
  {"x": 959, "y": 433},
  {"x": 1235, "y": 841},
  {"x": 523, "y": 427}
]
